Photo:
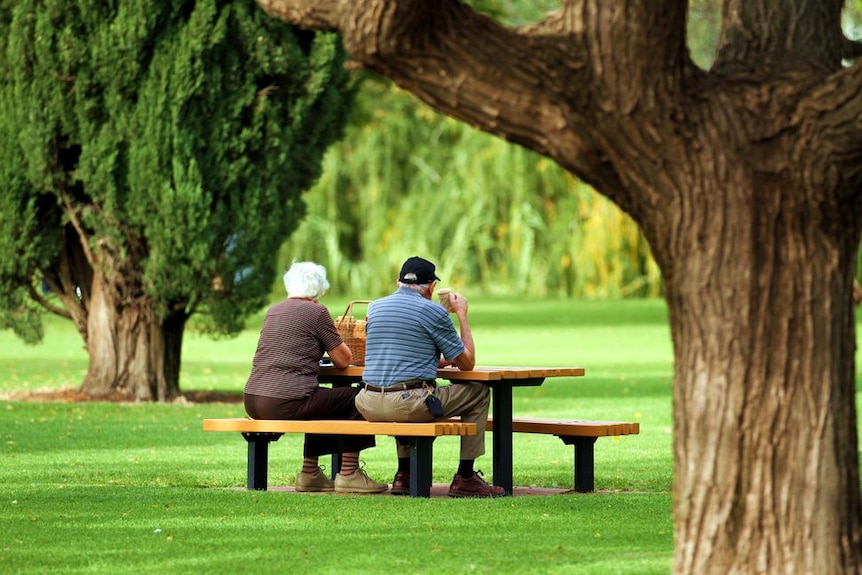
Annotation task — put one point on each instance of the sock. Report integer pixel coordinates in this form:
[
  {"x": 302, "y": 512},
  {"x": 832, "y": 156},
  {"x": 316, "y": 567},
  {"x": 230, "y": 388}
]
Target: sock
[
  {"x": 465, "y": 468},
  {"x": 309, "y": 464},
  {"x": 404, "y": 464},
  {"x": 349, "y": 463}
]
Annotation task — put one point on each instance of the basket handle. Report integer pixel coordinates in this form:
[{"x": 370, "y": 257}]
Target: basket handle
[{"x": 349, "y": 310}]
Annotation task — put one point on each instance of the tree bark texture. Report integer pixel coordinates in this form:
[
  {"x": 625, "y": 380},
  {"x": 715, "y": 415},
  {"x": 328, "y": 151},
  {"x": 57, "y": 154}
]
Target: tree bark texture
[
  {"x": 745, "y": 180},
  {"x": 133, "y": 352},
  {"x": 126, "y": 349}
]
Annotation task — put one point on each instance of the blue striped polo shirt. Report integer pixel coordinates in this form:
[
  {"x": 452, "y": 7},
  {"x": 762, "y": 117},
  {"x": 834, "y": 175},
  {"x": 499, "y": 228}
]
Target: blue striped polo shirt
[{"x": 405, "y": 336}]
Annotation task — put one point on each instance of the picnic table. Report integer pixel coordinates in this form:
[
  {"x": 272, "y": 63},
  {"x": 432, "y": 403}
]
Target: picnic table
[
  {"x": 579, "y": 433},
  {"x": 501, "y": 379}
]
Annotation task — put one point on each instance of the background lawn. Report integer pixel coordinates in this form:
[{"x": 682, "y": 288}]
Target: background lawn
[{"x": 106, "y": 488}]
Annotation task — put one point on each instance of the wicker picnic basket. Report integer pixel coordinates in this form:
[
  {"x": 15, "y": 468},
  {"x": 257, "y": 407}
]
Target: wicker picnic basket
[{"x": 352, "y": 331}]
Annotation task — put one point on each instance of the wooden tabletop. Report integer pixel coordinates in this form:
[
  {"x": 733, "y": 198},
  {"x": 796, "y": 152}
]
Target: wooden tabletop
[{"x": 478, "y": 373}]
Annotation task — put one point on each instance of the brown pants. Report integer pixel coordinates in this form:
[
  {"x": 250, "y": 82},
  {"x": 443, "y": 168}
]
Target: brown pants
[
  {"x": 469, "y": 400},
  {"x": 324, "y": 403}
]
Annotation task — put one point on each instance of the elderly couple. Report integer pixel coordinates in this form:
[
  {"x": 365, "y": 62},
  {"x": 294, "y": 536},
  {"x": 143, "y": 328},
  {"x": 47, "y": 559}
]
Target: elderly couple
[{"x": 407, "y": 334}]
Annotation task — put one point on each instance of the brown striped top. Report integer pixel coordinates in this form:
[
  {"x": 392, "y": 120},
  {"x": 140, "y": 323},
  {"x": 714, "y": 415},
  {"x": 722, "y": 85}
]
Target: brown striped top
[{"x": 294, "y": 336}]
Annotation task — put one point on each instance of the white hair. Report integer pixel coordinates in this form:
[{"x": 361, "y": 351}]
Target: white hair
[
  {"x": 421, "y": 288},
  {"x": 306, "y": 279}
]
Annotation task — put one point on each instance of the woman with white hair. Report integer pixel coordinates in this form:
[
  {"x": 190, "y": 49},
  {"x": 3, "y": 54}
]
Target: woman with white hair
[{"x": 283, "y": 381}]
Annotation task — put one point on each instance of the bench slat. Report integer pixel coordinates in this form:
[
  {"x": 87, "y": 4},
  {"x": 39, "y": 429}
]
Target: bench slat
[
  {"x": 341, "y": 427},
  {"x": 571, "y": 427},
  {"x": 582, "y": 435}
]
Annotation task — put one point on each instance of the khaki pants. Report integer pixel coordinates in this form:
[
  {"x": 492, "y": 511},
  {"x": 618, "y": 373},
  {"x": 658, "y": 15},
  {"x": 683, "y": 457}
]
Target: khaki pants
[{"x": 469, "y": 400}]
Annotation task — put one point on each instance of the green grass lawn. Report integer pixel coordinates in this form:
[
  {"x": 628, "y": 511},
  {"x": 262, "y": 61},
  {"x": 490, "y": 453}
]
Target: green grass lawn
[{"x": 110, "y": 488}]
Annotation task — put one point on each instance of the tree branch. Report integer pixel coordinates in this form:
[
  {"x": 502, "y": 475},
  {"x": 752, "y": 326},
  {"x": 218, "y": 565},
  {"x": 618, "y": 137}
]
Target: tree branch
[
  {"x": 548, "y": 87},
  {"x": 75, "y": 220},
  {"x": 460, "y": 63},
  {"x": 56, "y": 310},
  {"x": 832, "y": 108},
  {"x": 324, "y": 15},
  {"x": 769, "y": 37}
]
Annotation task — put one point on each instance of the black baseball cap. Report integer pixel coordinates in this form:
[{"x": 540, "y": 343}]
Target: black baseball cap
[{"x": 417, "y": 270}]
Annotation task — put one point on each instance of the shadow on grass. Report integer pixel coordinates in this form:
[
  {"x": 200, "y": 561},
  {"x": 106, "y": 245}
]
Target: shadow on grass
[{"x": 75, "y": 395}]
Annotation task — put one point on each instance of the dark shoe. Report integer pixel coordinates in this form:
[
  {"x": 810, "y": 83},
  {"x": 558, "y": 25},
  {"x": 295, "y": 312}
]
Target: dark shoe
[
  {"x": 401, "y": 484},
  {"x": 473, "y": 486}
]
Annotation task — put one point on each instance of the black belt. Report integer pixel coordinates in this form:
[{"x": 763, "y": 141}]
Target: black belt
[{"x": 402, "y": 385}]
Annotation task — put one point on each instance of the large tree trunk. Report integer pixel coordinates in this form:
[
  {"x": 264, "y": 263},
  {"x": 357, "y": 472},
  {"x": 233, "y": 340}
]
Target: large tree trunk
[
  {"x": 758, "y": 255},
  {"x": 766, "y": 465},
  {"x": 766, "y": 456},
  {"x": 132, "y": 353}
]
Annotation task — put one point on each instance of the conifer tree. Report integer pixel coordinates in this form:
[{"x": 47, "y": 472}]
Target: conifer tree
[{"x": 152, "y": 157}]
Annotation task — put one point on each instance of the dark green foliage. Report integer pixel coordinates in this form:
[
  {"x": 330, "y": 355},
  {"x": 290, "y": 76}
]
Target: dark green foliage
[{"x": 170, "y": 140}]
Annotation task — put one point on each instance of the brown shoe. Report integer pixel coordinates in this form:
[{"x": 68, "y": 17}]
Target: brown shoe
[
  {"x": 473, "y": 486},
  {"x": 358, "y": 482},
  {"x": 315, "y": 481},
  {"x": 401, "y": 484}
]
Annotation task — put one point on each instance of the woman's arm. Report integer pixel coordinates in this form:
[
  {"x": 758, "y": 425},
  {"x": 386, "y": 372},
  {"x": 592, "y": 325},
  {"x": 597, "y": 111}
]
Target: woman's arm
[{"x": 341, "y": 355}]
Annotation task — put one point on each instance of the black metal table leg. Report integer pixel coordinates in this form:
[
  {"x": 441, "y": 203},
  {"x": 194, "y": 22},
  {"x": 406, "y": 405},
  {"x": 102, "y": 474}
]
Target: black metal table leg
[
  {"x": 335, "y": 459},
  {"x": 335, "y": 462},
  {"x": 501, "y": 439}
]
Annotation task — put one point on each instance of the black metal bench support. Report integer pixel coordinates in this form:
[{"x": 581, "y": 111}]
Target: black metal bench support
[
  {"x": 585, "y": 480},
  {"x": 258, "y": 458},
  {"x": 421, "y": 464},
  {"x": 421, "y": 461}
]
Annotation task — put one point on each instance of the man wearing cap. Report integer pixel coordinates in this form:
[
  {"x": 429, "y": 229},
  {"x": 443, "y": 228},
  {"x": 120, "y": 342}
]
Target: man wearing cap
[{"x": 407, "y": 333}]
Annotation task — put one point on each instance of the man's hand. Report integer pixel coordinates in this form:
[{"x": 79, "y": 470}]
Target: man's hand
[{"x": 458, "y": 303}]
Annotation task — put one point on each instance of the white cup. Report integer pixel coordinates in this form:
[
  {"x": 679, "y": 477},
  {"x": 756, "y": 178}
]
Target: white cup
[{"x": 443, "y": 298}]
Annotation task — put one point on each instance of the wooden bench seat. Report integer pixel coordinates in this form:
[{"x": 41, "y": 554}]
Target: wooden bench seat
[
  {"x": 260, "y": 432},
  {"x": 580, "y": 433}
]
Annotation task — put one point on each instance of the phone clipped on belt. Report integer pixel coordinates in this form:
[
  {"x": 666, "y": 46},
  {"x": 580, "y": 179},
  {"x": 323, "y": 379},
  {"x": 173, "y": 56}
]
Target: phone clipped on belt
[{"x": 435, "y": 407}]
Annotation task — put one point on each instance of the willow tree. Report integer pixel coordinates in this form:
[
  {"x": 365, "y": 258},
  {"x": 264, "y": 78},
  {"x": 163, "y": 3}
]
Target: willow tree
[
  {"x": 523, "y": 224},
  {"x": 745, "y": 179},
  {"x": 152, "y": 156}
]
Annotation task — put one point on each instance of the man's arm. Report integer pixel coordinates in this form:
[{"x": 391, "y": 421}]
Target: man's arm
[{"x": 466, "y": 360}]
